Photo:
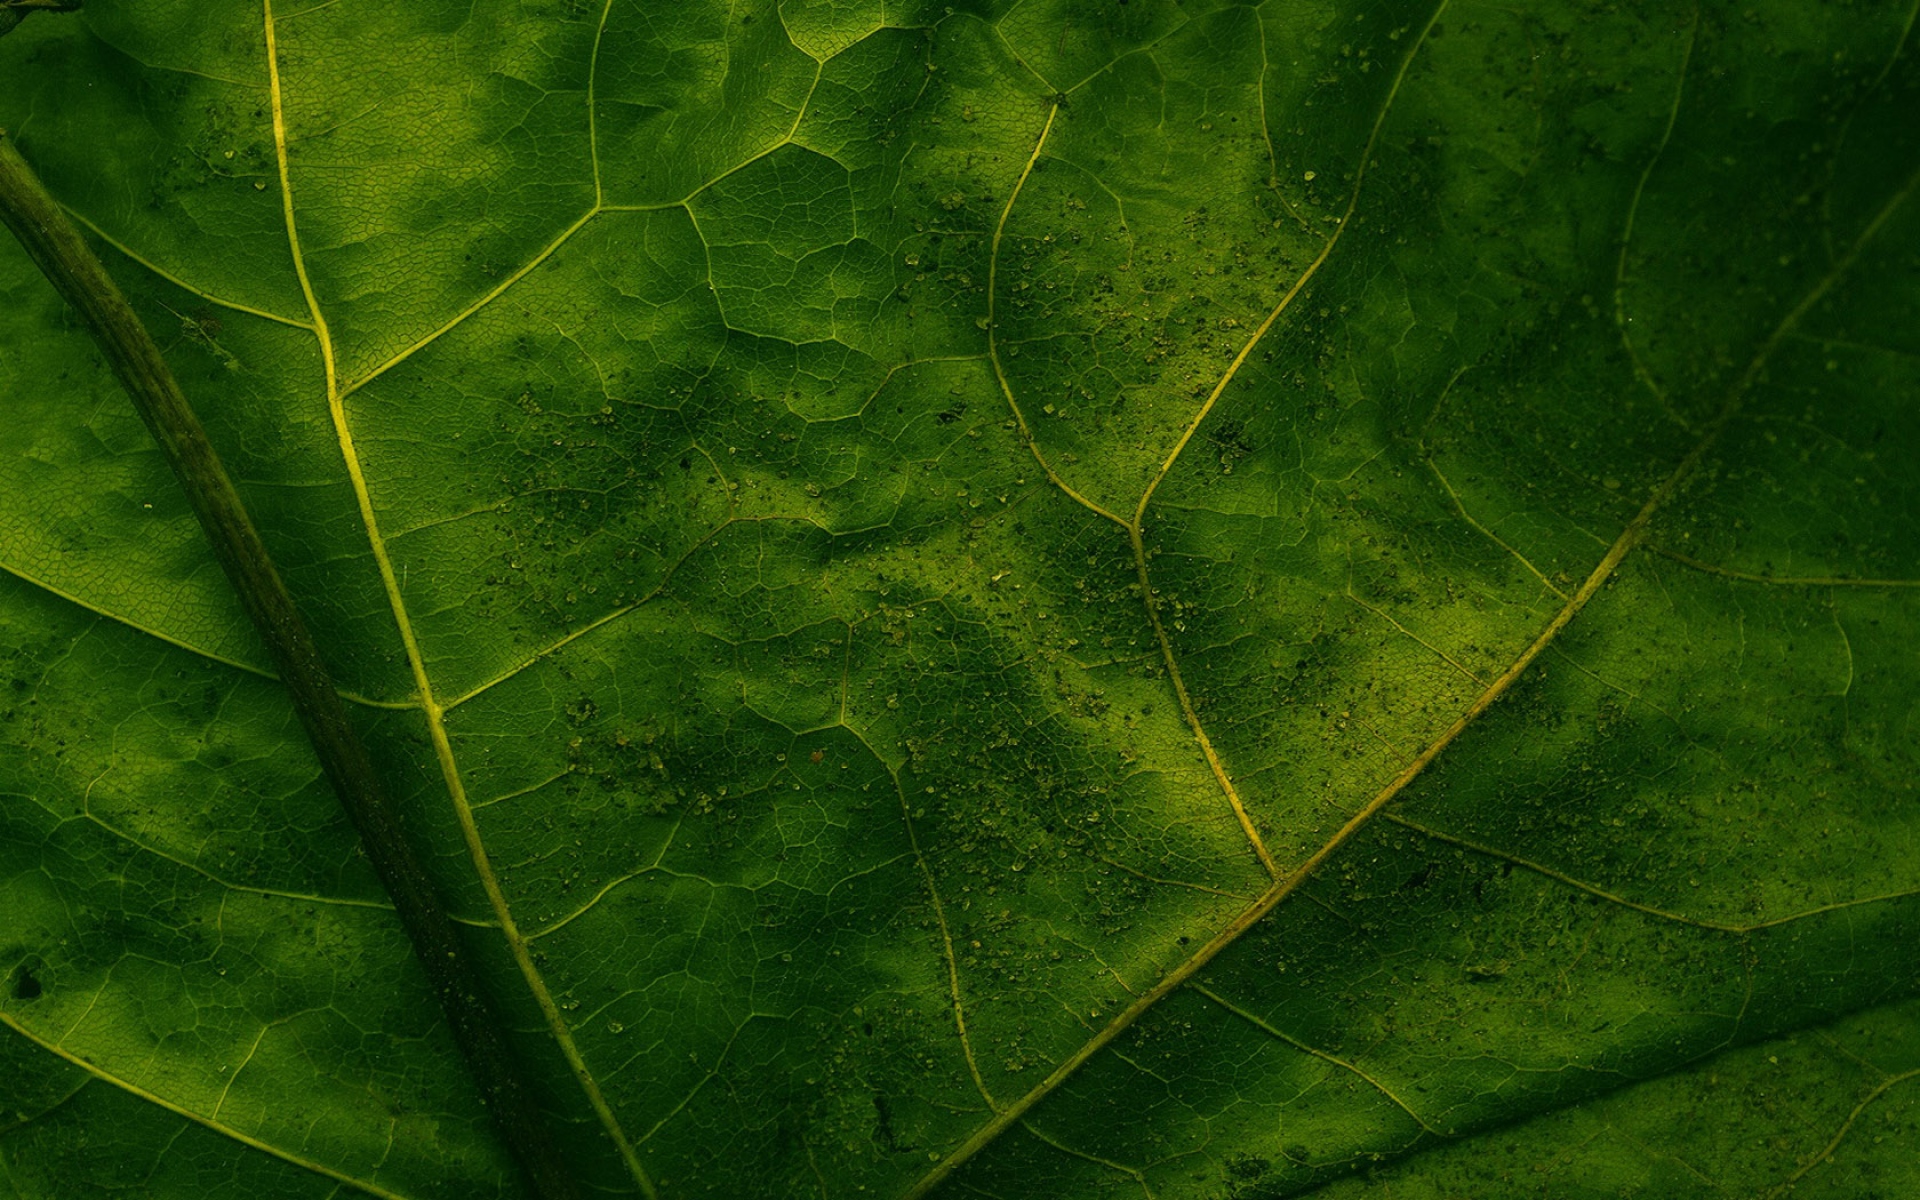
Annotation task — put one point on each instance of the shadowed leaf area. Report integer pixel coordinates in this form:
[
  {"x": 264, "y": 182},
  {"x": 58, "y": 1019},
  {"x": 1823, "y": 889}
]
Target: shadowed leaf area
[{"x": 1197, "y": 601}]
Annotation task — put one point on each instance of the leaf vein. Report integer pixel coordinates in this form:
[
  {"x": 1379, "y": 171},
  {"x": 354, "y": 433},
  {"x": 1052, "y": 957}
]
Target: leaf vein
[
  {"x": 1826, "y": 1152},
  {"x": 252, "y": 1143},
  {"x": 435, "y": 714},
  {"x": 1622, "y": 545},
  {"x": 1314, "y": 1051}
]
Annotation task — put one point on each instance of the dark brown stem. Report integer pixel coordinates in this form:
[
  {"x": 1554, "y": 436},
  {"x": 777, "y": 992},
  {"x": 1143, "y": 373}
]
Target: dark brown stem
[{"x": 78, "y": 275}]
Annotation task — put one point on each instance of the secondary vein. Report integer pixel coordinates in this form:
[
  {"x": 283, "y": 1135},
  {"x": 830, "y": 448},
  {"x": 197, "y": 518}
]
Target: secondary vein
[
  {"x": 133, "y": 1089},
  {"x": 435, "y": 714},
  {"x": 55, "y": 245},
  {"x": 1629, "y": 538}
]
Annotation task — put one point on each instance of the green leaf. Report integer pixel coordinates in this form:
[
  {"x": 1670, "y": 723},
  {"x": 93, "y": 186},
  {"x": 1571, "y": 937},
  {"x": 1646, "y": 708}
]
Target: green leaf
[{"x": 1043, "y": 599}]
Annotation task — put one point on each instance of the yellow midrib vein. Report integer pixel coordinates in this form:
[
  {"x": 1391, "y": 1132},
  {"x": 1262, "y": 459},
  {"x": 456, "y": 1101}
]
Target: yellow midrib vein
[
  {"x": 1281, "y": 888},
  {"x": 436, "y": 724}
]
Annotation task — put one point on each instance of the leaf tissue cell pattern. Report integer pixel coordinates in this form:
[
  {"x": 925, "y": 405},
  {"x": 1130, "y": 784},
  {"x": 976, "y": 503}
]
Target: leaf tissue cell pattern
[{"x": 1029, "y": 599}]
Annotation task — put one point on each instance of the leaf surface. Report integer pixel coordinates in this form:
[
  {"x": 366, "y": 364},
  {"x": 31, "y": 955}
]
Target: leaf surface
[{"x": 1056, "y": 599}]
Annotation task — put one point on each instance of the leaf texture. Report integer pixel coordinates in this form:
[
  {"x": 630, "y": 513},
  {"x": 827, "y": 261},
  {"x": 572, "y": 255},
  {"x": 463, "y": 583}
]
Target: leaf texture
[{"x": 1053, "y": 599}]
